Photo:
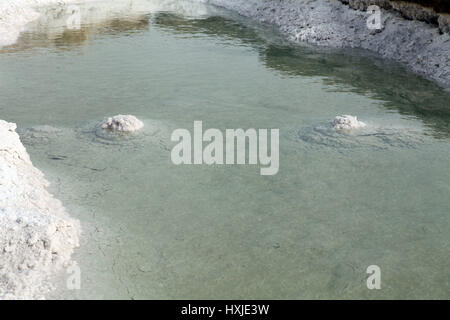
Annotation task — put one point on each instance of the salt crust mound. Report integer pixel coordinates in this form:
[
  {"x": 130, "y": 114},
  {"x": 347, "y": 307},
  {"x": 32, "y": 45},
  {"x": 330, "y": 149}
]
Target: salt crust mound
[
  {"x": 347, "y": 122},
  {"x": 123, "y": 123},
  {"x": 37, "y": 236}
]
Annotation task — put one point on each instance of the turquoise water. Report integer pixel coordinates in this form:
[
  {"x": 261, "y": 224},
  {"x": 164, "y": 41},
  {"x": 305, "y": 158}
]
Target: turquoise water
[{"x": 339, "y": 203}]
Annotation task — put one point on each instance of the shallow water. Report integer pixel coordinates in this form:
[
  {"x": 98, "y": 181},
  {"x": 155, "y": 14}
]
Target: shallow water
[{"x": 341, "y": 201}]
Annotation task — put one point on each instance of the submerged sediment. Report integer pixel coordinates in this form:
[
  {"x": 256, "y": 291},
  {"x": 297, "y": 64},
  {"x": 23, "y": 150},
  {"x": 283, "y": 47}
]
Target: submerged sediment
[{"x": 37, "y": 236}]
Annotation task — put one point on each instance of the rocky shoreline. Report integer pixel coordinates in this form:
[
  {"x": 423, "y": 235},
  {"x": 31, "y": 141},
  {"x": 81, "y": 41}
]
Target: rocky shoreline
[
  {"x": 409, "y": 10},
  {"x": 416, "y": 36},
  {"x": 419, "y": 45},
  {"x": 37, "y": 236}
]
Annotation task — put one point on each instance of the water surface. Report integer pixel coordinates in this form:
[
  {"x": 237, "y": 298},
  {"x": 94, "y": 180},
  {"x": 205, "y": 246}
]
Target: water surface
[{"x": 340, "y": 202}]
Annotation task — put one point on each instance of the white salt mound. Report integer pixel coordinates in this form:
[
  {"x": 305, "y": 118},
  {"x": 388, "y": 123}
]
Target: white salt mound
[
  {"x": 37, "y": 236},
  {"x": 123, "y": 123},
  {"x": 347, "y": 122}
]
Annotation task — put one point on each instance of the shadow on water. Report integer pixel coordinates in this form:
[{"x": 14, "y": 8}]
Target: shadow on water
[{"x": 343, "y": 70}]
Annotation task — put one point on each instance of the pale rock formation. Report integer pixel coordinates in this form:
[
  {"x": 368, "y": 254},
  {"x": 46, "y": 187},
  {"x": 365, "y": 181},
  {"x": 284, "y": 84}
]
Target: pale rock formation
[
  {"x": 444, "y": 23},
  {"x": 37, "y": 236}
]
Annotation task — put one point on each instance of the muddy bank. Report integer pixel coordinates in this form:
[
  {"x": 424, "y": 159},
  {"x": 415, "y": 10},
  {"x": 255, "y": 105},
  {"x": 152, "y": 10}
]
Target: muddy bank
[
  {"x": 419, "y": 45},
  {"x": 37, "y": 236}
]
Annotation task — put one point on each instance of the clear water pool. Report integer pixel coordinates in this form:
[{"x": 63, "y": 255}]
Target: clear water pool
[{"x": 340, "y": 202}]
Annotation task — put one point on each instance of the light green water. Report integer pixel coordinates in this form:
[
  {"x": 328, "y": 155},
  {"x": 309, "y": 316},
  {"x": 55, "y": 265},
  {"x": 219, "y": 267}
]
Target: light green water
[{"x": 340, "y": 202}]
